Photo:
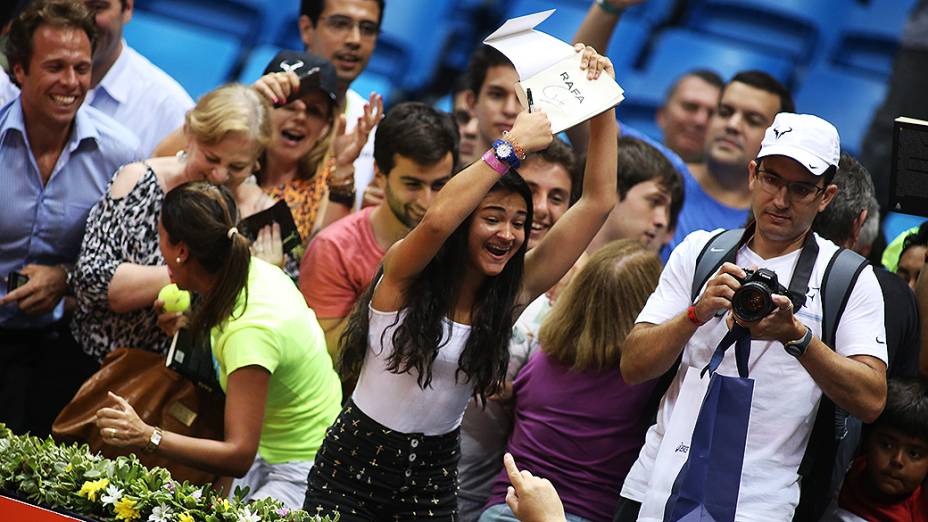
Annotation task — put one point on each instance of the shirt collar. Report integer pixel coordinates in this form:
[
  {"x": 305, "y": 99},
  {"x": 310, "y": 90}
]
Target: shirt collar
[
  {"x": 13, "y": 119},
  {"x": 83, "y": 128},
  {"x": 118, "y": 81}
]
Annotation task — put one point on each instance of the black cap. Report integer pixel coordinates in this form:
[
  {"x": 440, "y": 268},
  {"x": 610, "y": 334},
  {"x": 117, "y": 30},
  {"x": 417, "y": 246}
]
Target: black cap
[{"x": 315, "y": 73}]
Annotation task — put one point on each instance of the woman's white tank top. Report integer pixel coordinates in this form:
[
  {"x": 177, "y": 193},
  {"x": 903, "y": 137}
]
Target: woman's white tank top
[{"x": 396, "y": 400}]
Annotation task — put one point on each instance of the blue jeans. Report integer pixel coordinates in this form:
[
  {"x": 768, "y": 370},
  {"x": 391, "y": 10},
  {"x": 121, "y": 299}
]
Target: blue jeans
[{"x": 502, "y": 513}]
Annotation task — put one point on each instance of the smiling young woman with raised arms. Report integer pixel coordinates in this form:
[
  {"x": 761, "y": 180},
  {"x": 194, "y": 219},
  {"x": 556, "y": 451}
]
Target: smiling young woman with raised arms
[{"x": 434, "y": 328}]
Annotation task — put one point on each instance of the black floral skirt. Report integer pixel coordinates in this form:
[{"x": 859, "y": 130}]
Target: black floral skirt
[{"x": 366, "y": 471}]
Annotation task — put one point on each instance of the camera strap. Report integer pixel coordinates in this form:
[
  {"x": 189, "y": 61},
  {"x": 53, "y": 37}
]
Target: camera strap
[
  {"x": 741, "y": 338},
  {"x": 799, "y": 283},
  {"x": 798, "y": 288}
]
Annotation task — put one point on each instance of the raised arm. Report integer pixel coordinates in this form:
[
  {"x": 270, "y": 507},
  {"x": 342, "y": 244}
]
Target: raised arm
[
  {"x": 596, "y": 31},
  {"x": 600, "y": 22},
  {"x": 570, "y": 236},
  {"x": 459, "y": 197},
  {"x": 346, "y": 147}
]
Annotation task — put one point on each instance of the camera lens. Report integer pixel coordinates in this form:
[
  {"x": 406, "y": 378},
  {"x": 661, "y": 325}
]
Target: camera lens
[{"x": 752, "y": 302}]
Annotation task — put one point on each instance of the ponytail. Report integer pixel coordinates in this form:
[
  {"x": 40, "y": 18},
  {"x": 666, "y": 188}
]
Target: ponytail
[{"x": 203, "y": 216}]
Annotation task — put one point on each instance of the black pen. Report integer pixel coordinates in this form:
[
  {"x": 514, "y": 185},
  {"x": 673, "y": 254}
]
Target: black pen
[{"x": 531, "y": 102}]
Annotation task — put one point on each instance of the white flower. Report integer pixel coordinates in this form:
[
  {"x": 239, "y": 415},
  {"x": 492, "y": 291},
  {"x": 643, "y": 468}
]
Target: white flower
[
  {"x": 111, "y": 496},
  {"x": 196, "y": 494},
  {"x": 160, "y": 514},
  {"x": 248, "y": 516}
]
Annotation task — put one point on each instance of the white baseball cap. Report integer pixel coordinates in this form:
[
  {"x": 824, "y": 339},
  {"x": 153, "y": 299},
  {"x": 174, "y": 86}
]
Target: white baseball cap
[{"x": 808, "y": 139}]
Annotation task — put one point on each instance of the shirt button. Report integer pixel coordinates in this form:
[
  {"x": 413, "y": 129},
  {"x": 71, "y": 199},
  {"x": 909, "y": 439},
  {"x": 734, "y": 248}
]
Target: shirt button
[
  {"x": 408, "y": 473},
  {"x": 412, "y": 457},
  {"x": 414, "y": 442}
]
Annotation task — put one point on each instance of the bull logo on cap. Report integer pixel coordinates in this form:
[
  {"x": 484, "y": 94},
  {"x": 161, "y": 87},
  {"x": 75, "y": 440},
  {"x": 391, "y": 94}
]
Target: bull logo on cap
[
  {"x": 778, "y": 132},
  {"x": 291, "y": 67}
]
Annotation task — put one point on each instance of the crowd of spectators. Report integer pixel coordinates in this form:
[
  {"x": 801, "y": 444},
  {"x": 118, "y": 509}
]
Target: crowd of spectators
[{"x": 478, "y": 319}]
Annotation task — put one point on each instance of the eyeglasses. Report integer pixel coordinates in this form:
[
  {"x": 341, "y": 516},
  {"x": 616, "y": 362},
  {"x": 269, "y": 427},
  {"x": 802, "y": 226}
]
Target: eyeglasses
[
  {"x": 798, "y": 191},
  {"x": 342, "y": 24}
]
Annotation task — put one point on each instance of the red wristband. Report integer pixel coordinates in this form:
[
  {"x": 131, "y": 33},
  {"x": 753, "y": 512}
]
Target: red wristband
[{"x": 691, "y": 315}]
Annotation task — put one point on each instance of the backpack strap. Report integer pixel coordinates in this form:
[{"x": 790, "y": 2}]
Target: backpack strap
[
  {"x": 721, "y": 248},
  {"x": 840, "y": 277},
  {"x": 820, "y": 470}
]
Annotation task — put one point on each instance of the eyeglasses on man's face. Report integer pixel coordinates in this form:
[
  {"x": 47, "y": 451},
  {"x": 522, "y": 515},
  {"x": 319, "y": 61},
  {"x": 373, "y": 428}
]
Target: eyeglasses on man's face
[
  {"x": 798, "y": 191},
  {"x": 343, "y": 24}
]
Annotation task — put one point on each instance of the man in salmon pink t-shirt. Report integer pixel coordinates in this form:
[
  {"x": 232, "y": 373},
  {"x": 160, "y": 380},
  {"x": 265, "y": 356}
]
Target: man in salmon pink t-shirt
[{"x": 415, "y": 149}]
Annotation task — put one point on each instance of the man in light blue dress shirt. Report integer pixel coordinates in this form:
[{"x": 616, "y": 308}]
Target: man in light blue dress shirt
[
  {"x": 125, "y": 85},
  {"x": 57, "y": 160}
]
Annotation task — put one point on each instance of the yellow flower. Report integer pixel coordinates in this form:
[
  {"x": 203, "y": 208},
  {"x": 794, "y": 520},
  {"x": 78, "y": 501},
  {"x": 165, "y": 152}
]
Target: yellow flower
[
  {"x": 68, "y": 468},
  {"x": 90, "y": 488},
  {"x": 125, "y": 509},
  {"x": 185, "y": 517},
  {"x": 223, "y": 504}
]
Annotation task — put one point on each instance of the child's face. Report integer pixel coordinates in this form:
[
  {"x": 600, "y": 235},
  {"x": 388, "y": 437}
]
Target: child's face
[{"x": 897, "y": 463}]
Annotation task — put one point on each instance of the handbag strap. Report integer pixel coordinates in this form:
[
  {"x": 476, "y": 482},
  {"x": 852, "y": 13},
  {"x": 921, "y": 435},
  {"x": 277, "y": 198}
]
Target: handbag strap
[{"x": 741, "y": 338}]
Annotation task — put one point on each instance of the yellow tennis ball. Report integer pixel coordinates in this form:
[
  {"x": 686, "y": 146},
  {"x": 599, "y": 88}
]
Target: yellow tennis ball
[{"x": 175, "y": 300}]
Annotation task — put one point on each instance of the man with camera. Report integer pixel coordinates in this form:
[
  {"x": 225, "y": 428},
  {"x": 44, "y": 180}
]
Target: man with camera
[{"x": 790, "y": 183}]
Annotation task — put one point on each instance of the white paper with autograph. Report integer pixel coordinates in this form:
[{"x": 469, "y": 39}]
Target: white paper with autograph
[{"x": 551, "y": 69}]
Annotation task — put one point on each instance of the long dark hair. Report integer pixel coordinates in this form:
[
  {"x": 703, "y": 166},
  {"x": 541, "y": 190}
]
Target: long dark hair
[
  {"x": 430, "y": 300},
  {"x": 201, "y": 215}
]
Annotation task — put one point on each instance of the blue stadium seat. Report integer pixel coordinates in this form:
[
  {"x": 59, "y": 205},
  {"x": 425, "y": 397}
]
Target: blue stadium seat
[
  {"x": 870, "y": 36},
  {"x": 677, "y": 51},
  {"x": 287, "y": 34},
  {"x": 412, "y": 37},
  {"x": 627, "y": 44},
  {"x": 200, "y": 59},
  {"x": 652, "y": 12},
  {"x": 795, "y": 28},
  {"x": 562, "y": 24},
  {"x": 845, "y": 99},
  {"x": 256, "y": 62},
  {"x": 241, "y": 18}
]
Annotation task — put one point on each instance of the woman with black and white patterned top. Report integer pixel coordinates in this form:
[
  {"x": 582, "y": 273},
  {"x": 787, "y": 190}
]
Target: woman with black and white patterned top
[{"x": 120, "y": 269}]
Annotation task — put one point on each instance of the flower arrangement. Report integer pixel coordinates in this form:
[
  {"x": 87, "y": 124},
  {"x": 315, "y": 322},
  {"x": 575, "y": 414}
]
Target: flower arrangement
[{"x": 69, "y": 477}]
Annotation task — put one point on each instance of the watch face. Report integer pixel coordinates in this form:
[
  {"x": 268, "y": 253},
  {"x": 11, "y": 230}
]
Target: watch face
[{"x": 503, "y": 150}]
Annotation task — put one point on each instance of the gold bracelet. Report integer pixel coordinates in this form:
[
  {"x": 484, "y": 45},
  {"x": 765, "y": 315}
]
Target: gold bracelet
[{"x": 520, "y": 152}]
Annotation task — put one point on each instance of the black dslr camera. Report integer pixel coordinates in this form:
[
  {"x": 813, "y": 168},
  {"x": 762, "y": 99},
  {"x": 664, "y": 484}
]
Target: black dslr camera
[{"x": 754, "y": 299}]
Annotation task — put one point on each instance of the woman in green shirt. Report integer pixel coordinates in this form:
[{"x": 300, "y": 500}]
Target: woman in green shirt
[{"x": 266, "y": 343}]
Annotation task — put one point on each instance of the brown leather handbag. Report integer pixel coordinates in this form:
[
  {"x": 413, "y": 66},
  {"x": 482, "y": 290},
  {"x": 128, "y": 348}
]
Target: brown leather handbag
[{"x": 160, "y": 396}]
